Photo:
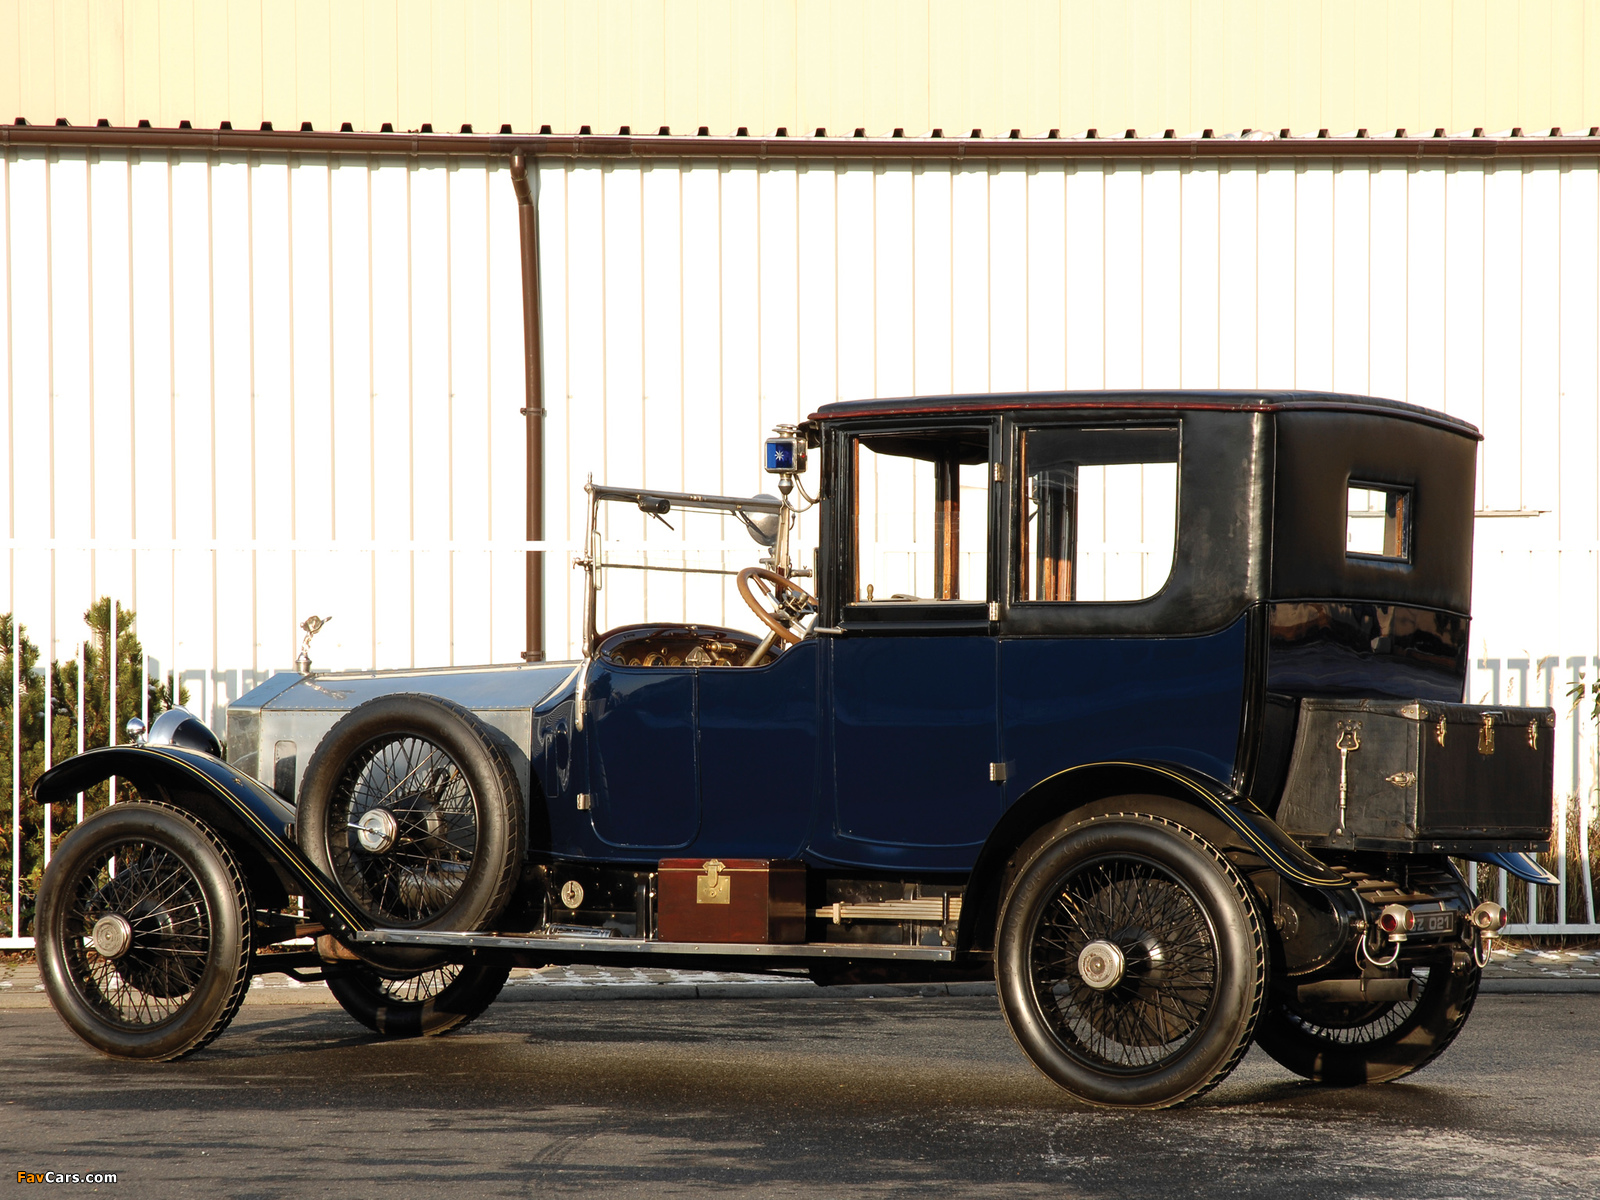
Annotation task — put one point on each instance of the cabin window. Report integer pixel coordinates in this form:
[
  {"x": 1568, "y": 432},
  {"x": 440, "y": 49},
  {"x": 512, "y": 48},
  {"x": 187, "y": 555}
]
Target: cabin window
[
  {"x": 1099, "y": 512},
  {"x": 1378, "y": 522},
  {"x": 922, "y": 516}
]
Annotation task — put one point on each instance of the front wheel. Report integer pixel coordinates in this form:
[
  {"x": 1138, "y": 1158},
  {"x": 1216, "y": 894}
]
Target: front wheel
[
  {"x": 1130, "y": 961},
  {"x": 1348, "y": 1044},
  {"x": 421, "y": 1005},
  {"x": 144, "y": 932}
]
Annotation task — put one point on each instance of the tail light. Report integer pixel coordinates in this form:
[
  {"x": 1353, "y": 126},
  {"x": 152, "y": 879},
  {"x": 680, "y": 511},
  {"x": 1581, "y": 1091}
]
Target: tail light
[
  {"x": 1396, "y": 920},
  {"x": 1488, "y": 917}
]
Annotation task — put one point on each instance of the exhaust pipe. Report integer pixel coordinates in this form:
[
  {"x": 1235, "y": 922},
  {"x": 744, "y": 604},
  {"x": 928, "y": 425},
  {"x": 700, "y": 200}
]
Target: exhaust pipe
[{"x": 1358, "y": 991}]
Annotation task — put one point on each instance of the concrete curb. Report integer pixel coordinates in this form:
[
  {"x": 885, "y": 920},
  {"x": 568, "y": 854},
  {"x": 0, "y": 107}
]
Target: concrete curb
[{"x": 1535, "y": 987}]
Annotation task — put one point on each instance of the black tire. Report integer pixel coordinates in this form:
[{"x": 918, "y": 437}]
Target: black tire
[
  {"x": 170, "y": 963},
  {"x": 447, "y": 845},
  {"x": 423, "y": 1005},
  {"x": 1176, "y": 1002},
  {"x": 1352, "y": 1044}
]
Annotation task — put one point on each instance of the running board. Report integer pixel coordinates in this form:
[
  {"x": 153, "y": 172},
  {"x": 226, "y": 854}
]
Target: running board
[{"x": 616, "y": 945}]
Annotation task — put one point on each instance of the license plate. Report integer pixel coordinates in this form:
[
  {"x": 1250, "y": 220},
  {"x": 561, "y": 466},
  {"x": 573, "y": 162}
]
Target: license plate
[{"x": 1435, "y": 922}]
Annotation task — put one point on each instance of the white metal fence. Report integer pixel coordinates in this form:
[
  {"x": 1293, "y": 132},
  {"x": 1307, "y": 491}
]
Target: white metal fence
[{"x": 243, "y": 388}]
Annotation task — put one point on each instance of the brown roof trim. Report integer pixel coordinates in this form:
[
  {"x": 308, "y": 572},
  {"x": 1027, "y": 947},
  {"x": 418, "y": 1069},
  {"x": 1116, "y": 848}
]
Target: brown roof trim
[{"x": 439, "y": 145}]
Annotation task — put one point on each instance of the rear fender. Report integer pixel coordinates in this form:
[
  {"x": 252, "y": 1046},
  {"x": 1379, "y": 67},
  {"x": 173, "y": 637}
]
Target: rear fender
[
  {"x": 1242, "y": 831},
  {"x": 257, "y": 824},
  {"x": 1524, "y": 866}
]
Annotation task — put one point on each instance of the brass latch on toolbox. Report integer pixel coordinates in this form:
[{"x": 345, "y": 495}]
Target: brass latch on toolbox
[
  {"x": 1349, "y": 739},
  {"x": 1486, "y": 735},
  {"x": 713, "y": 887}
]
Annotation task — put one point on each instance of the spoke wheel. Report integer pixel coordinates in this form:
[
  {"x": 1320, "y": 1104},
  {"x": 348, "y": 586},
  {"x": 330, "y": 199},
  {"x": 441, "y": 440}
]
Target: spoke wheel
[
  {"x": 1348, "y": 1044},
  {"x": 411, "y": 825},
  {"x": 1130, "y": 961},
  {"x": 422, "y": 1005},
  {"x": 411, "y": 807},
  {"x": 144, "y": 932}
]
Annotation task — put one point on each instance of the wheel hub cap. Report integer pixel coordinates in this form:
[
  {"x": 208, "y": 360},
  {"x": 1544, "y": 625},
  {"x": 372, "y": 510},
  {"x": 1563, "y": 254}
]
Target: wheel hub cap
[
  {"x": 112, "y": 936},
  {"x": 376, "y": 830},
  {"x": 1101, "y": 965}
]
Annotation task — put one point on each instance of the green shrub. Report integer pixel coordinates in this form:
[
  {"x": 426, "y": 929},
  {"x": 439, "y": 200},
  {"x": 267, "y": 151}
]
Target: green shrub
[{"x": 128, "y": 661}]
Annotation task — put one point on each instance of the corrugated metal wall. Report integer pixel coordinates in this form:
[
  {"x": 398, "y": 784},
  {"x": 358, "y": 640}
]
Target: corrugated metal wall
[
  {"x": 209, "y": 362},
  {"x": 218, "y": 358},
  {"x": 240, "y": 391},
  {"x": 916, "y": 64}
]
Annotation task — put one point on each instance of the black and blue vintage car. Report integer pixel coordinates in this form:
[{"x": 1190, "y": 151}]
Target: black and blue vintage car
[{"x": 1146, "y": 705}]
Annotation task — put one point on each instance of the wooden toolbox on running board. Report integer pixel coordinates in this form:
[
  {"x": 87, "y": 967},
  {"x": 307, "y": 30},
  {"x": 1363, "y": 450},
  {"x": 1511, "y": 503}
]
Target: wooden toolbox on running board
[{"x": 735, "y": 900}]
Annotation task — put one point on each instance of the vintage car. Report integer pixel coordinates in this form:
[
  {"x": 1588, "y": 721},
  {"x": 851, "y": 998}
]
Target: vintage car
[{"x": 1147, "y": 705}]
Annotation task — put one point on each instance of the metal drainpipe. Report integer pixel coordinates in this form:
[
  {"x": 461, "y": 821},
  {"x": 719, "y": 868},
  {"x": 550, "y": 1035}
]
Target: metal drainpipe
[{"x": 533, "y": 411}]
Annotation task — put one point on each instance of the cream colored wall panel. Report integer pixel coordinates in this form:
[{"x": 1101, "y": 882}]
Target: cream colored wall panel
[
  {"x": 1388, "y": 189},
  {"x": 1275, "y": 258},
  {"x": 310, "y": 347},
  {"x": 1502, "y": 349},
  {"x": 1237, "y": 293},
  {"x": 779, "y": 311},
  {"x": 1123, "y": 284},
  {"x": 621, "y": 338},
  {"x": 245, "y": 64},
  {"x": 11, "y": 49},
  {"x": 108, "y": 297},
  {"x": 1350, "y": 317},
  {"x": 969, "y": 279},
  {"x": 152, "y": 348},
  {"x": 818, "y": 286},
  {"x": 1008, "y": 278},
  {"x": 211, "y": 66},
  {"x": 1200, "y": 284},
  {"x": 451, "y": 68},
  {"x": 180, "y": 62},
  {"x": 893, "y": 315},
  {"x": 1464, "y": 311},
  {"x": 740, "y": 333},
  {"x": 37, "y": 66},
  {"x": 380, "y": 64},
  {"x": 1427, "y": 288},
  {"x": 1540, "y": 332},
  {"x": 1162, "y": 283},
  {"x": 1578, "y": 355},
  {"x": 72, "y": 63},
  {"x": 141, "y": 65},
  {"x": 315, "y": 66},
  {"x": 1085, "y": 333},
  {"x": 934, "y": 331},
  {"x": 1028, "y": 65},
  {"x": 1045, "y": 262}
]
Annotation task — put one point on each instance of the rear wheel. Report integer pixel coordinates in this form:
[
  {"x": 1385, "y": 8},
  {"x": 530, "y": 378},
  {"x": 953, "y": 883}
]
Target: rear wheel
[
  {"x": 1131, "y": 965},
  {"x": 1351, "y": 1044},
  {"x": 432, "y": 1002},
  {"x": 144, "y": 932}
]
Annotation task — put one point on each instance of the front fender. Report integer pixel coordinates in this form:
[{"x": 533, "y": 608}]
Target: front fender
[{"x": 257, "y": 824}]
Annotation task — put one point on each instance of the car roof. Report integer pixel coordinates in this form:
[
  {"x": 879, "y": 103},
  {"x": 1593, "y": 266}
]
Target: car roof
[{"x": 1169, "y": 400}]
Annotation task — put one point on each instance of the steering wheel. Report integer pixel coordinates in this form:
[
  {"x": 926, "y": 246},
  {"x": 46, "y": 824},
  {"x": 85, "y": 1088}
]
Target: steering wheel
[{"x": 782, "y": 584}]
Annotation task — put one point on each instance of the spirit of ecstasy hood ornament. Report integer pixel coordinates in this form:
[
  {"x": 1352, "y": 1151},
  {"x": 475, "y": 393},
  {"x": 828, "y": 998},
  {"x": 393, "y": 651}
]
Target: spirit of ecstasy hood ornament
[{"x": 312, "y": 625}]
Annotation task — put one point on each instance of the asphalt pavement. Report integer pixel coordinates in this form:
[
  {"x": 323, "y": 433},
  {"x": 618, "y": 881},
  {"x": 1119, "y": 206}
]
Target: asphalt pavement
[{"x": 805, "y": 1095}]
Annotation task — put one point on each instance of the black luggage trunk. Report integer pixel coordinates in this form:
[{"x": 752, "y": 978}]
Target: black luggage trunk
[{"x": 1420, "y": 776}]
